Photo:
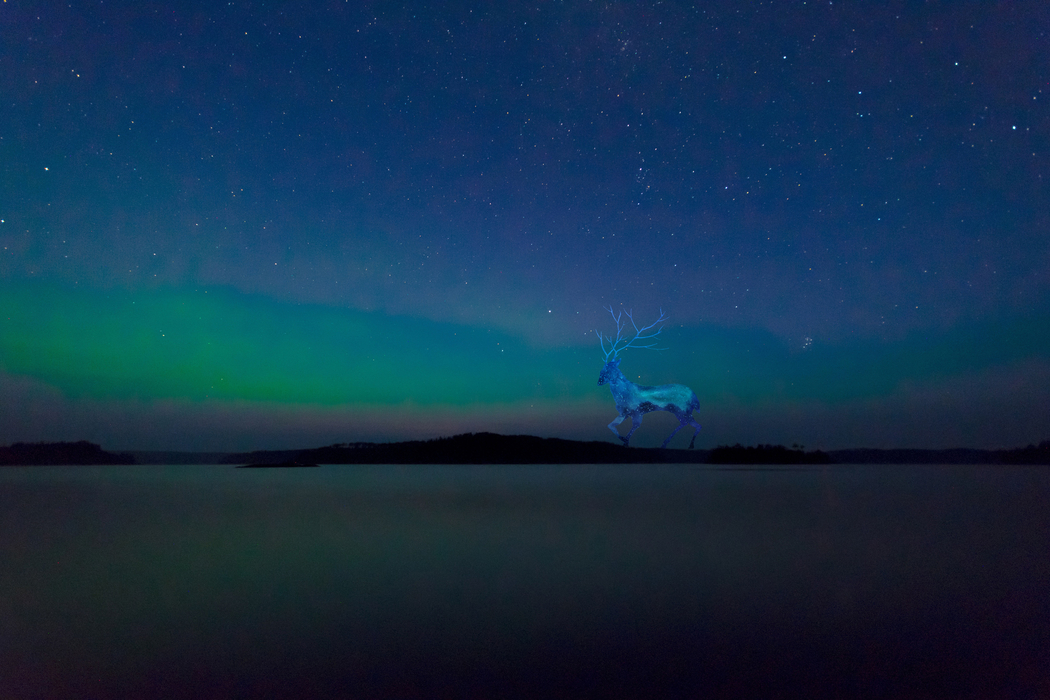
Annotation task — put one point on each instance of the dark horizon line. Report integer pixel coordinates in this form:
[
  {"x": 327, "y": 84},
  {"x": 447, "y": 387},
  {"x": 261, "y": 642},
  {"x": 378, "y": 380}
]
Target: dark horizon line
[
  {"x": 1044, "y": 444},
  {"x": 494, "y": 448}
]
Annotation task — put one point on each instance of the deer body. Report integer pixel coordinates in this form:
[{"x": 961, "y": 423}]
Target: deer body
[{"x": 633, "y": 400}]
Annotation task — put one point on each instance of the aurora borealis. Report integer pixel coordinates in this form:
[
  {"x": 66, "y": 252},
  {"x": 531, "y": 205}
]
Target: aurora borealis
[
  {"x": 261, "y": 226},
  {"x": 205, "y": 361}
]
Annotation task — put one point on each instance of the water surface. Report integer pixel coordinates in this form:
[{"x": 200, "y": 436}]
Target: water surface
[{"x": 525, "y": 581}]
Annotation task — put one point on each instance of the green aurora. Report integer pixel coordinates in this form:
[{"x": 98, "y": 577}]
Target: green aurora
[
  {"x": 223, "y": 347},
  {"x": 218, "y": 344}
]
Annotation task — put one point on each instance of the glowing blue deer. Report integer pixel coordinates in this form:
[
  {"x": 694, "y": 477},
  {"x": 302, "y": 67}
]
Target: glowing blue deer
[{"x": 635, "y": 401}]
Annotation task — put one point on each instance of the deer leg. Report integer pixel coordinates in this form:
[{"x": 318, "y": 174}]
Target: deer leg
[
  {"x": 636, "y": 420},
  {"x": 692, "y": 421},
  {"x": 612, "y": 426},
  {"x": 681, "y": 423}
]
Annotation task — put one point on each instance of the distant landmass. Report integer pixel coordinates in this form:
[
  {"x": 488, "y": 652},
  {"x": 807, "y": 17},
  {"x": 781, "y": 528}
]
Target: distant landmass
[
  {"x": 477, "y": 448},
  {"x": 490, "y": 448},
  {"x": 80, "y": 453}
]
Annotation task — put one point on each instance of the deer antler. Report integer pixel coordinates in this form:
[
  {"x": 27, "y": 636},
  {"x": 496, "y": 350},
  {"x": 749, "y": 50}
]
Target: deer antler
[{"x": 639, "y": 334}]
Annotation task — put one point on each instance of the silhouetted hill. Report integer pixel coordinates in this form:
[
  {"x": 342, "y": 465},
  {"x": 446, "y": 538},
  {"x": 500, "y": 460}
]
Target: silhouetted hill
[
  {"x": 41, "y": 453},
  {"x": 1031, "y": 454},
  {"x": 477, "y": 448},
  {"x": 765, "y": 454},
  {"x": 489, "y": 448}
]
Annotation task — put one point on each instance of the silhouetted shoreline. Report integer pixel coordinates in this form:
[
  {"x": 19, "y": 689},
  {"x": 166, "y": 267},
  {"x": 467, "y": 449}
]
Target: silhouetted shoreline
[
  {"x": 490, "y": 448},
  {"x": 52, "y": 453}
]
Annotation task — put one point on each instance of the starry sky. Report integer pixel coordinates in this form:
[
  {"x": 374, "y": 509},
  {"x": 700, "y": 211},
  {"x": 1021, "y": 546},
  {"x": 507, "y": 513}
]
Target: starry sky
[{"x": 253, "y": 225}]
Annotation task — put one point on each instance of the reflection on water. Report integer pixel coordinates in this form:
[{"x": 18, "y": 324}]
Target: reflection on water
[{"x": 518, "y": 581}]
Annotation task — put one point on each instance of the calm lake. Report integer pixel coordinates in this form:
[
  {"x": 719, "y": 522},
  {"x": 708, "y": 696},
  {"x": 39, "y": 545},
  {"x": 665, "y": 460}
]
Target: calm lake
[{"x": 525, "y": 581}]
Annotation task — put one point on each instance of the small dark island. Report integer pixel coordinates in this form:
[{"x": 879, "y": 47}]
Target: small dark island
[{"x": 275, "y": 465}]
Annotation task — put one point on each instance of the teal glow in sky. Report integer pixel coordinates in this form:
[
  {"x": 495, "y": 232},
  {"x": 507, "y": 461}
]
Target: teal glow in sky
[{"x": 219, "y": 369}]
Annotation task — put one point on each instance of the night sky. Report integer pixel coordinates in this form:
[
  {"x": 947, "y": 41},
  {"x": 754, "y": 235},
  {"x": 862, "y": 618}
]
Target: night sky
[{"x": 256, "y": 225}]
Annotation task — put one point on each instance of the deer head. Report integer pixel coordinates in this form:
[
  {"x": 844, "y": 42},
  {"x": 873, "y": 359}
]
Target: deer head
[
  {"x": 620, "y": 342},
  {"x": 634, "y": 401}
]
